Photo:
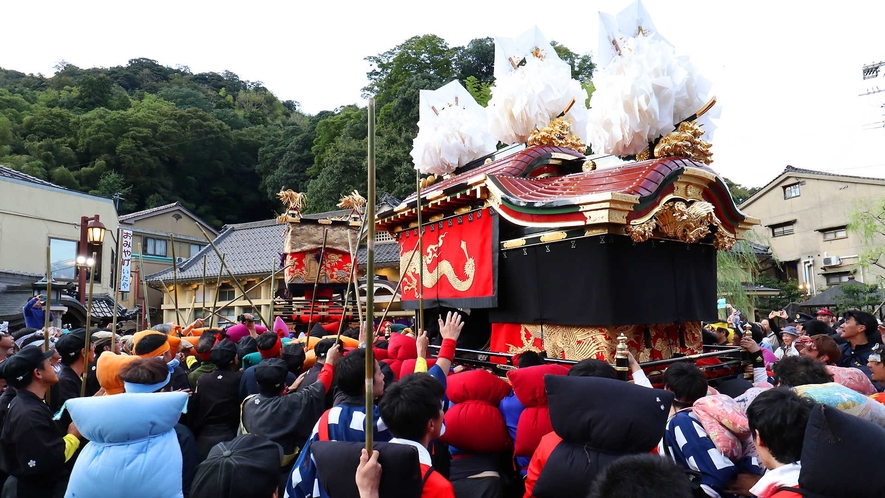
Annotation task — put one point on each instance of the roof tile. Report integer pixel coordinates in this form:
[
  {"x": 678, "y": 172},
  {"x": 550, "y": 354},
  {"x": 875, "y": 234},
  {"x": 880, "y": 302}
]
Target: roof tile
[{"x": 15, "y": 174}]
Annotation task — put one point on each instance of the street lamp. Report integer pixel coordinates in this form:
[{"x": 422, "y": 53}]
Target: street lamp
[
  {"x": 95, "y": 231},
  {"x": 91, "y": 232}
]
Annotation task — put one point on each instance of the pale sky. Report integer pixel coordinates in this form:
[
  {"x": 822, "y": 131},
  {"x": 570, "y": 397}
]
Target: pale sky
[{"x": 787, "y": 74}]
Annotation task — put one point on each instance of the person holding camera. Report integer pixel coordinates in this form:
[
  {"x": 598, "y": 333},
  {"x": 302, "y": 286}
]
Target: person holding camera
[
  {"x": 35, "y": 315},
  {"x": 249, "y": 321}
]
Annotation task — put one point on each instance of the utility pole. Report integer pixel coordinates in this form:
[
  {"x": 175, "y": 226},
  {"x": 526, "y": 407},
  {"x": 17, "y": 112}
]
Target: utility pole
[{"x": 874, "y": 81}]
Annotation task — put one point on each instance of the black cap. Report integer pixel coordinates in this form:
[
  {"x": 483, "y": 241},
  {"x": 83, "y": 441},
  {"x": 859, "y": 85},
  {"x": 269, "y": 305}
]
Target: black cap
[
  {"x": 800, "y": 317},
  {"x": 323, "y": 347},
  {"x": 271, "y": 372},
  {"x": 246, "y": 346},
  {"x": 71, "y": 344},
  {"x": 23, "y": 362},
  {"x": 223, "y": 353},
  {"x": 249, "y": 465},
  {"x": 294, "y": 356}
]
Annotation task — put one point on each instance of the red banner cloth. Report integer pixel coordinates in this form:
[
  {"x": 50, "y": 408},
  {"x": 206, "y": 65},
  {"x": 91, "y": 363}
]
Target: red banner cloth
[{"x": 460, "y": 262}]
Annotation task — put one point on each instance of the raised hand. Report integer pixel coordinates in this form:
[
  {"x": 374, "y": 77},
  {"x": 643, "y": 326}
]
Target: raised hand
[
  {"x": 451, "y": 328},
  {"x": 422, "y": 342}
]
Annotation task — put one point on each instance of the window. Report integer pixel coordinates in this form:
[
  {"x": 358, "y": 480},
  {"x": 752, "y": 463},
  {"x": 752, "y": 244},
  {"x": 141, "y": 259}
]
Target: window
[
  {"x": 63, "y": 258},
  {"x": 155, "y": 247},
  {"x": 836, "y": 233},
  {"x": 195, "y": 248},
  {"x": 791, "y": 191},
  {"x": 226, "y": 294},
  {"x": 782, "y": 230},
  {"x": 838, "y": 278}
]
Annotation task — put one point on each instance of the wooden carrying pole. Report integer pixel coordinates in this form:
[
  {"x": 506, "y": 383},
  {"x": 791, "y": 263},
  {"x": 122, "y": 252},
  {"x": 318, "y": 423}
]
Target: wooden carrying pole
[
  {"x": 47, "y": 302},
  {"x": 353, "y": 277},
  {"x": 88, "y": 327},
  {"x": 146, "y": 313},
  {"x": 316, "y": 282},
  {"x": 232, "y": 277},
  {"x": 398, "y": 285},
  {"x": 47, "y": 305},
  {"x": 265, "y": 279},
  {"x": 370, "y": 289},
  {"x": 215, "y": 299},
  {"x": 118, "y": 280},
  {"x": 351, "y": 280},
  {"x": 203, "y": 302},
  {"x": 420, "y": 260},
  {"x": 175, "y": 279},
  {"x": 344, "y": 300}
]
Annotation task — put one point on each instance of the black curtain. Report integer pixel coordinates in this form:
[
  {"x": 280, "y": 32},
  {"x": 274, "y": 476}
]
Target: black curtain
[{"x": 606, "y": 280}]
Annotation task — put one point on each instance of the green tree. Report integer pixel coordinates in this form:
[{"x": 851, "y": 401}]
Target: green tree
[
  {"x": 94, "y": 91},
  {"x": 867, "y": 221},
  {"x": 789, "y": 292},
  {"x": 476, "y": 60},
  {"x": 427, "y": 55},
  {"x": 734, "y": 269},
  {"x": 739, "y": 192},
  {"x": 858, "y": 296},
  {"x": 185, "y": 98},
  {"x": 480, "y": 90},
  {"x": 582, "y": 64}
]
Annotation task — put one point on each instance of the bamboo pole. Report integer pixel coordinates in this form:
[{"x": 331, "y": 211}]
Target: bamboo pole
[
  {"x": 349, "y": 283},
  {"x": 47, "y": 305},
  {"x": 230, "y": 273},
  {"x": 420, "y": 260},
  {"x": 354, "y": 252},
  {"x": 88, "y": 328},
  {"x": 175, "y": 278},
  {"x": 398, "y": 285},
  {"x": 168, "y": 294},
  {"x": 370, "y": 289},
  {"x": 355, "y": 281},
  {"x": 238, "y": 297},
  {"x": 203, "y": 302},
  {"x": 226, "y": 319},
  {"x": 190, "y": 312},
  {"x": 118, "y": 279},
  {"x": 273, "y": 286},
  {"x": 217, "y": 285},
  {"x": 316, "y": 282},
  {"x": 47, "y": 302},
  {"x": 146, "y": 313}
]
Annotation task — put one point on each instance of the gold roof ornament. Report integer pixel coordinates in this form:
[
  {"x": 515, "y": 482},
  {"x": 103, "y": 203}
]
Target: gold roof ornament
[
  {"x": 355, "y": 202},
  {"x": 685, "y": 142},
  {"x": 294, "y": 202},
  {"x": 428, "y": 181},
  {"x": 557, "y": 134}
]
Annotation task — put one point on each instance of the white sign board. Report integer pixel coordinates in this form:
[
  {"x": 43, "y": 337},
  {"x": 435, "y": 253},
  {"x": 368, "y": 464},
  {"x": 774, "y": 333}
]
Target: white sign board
[{"x": 126, "y": 261}]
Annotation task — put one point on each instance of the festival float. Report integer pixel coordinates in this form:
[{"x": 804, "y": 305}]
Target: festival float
[
  {"x": 561, "y": 251},
  {"x": 318, "y": 262}
]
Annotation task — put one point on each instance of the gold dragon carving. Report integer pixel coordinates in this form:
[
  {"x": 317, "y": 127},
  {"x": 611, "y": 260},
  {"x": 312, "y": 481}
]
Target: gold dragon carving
[
  {"x": 578, "y": 343},
  {"x": 689, "y": 223},
  {"x": 685, "y": 141},
  {"x": 557, "y": 134},
  {"x": 444, "y": 268}
]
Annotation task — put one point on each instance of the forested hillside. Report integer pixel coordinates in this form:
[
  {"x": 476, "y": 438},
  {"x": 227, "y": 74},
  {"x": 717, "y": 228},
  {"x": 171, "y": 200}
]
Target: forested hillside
[{"x": 221, "y": 145}]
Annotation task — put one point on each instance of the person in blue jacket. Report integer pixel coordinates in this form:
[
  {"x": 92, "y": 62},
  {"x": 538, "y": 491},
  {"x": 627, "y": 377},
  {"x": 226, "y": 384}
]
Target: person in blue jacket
[{"x": 35, "y": 315}]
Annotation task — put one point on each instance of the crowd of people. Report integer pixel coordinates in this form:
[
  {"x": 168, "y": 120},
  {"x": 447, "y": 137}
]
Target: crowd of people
[{"x": 249, "y": 412}]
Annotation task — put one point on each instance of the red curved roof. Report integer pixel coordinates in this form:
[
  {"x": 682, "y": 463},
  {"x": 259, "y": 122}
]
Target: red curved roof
[{"x": 640, "y": 179}]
